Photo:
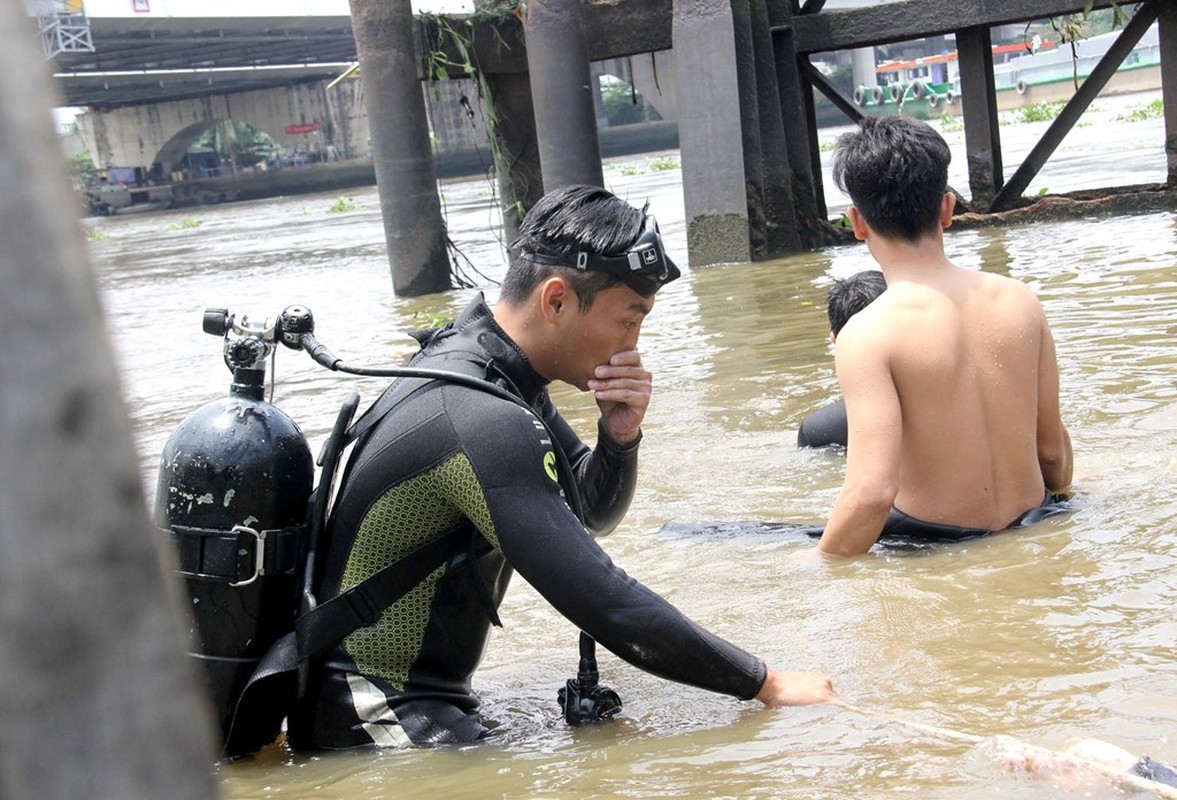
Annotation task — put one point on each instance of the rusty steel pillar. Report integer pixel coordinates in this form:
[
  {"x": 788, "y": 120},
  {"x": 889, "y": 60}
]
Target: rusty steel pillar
[
  {"x": 1168, "y": 41},
  {"x": 401, "y": 155},
  {"x": 562, "y": 88},
  {"x": 982, "y": 134}
]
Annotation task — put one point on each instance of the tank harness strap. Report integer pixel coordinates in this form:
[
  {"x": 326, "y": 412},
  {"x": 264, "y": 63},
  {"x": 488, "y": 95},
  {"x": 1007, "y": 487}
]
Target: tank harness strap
[
  {"x": 239, "y": 555},
  {"x": 361, "y": 605}
]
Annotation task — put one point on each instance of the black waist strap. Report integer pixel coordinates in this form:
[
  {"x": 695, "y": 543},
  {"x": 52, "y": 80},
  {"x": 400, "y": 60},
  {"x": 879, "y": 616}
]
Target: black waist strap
[{"x": 239, "y": 555}]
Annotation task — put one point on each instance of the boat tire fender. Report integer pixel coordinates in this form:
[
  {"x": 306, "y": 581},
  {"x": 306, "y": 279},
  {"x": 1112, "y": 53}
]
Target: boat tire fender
[
  {"x": 876, "y": 94},
  {"x": 896, "y": 92},
  {"x": 917, "y": 90},
  {"x": 950, "y": 97},
  {"x": 859, "y": 95},
  {"x": 1021, "y": 87},
  {"x": 933, "y": 100}
]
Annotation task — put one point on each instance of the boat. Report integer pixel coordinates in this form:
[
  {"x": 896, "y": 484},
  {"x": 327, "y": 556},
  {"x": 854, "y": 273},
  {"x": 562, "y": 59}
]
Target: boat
[{"x": 929, "y": 86}]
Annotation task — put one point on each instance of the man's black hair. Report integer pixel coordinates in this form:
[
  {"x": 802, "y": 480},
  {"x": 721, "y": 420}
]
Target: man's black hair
[
  {"x": 895, "y": 170},
  {"x": 846, "y": 298},
  {"x": 565, "y": 221}
]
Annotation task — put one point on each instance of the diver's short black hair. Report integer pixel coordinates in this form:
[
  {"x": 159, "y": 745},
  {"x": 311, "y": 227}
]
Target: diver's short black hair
[
  {"x": 847, "y": 297},
  {"x": 565, "y": 221},
  {"x": 895, "y": 170}
]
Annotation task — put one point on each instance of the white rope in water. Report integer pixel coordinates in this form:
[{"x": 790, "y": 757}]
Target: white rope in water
[{"x": 1122, "y": 778}]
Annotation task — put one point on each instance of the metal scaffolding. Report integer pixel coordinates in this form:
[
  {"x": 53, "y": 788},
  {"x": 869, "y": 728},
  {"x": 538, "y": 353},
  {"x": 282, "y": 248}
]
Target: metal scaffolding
[{"x": 64, "y": 27}]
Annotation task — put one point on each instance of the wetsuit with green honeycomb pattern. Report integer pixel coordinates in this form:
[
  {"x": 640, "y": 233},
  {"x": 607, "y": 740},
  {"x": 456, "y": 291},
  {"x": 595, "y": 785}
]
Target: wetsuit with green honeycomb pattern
[{"x": 450, "y": 457}]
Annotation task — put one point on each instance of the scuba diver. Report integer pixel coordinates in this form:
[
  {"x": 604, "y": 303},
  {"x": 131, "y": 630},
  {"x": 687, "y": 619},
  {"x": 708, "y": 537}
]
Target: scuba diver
[{"x": 450, "y": 489}]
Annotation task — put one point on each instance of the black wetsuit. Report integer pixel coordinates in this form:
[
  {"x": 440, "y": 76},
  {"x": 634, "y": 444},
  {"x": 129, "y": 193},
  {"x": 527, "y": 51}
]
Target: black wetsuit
[
  {"x": 825, "y": 427},
  {"x": 452, "y": 458}
]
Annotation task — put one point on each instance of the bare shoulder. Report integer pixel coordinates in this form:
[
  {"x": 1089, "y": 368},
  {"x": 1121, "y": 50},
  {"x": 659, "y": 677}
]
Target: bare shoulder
[{"x": 1005, "y": 285}]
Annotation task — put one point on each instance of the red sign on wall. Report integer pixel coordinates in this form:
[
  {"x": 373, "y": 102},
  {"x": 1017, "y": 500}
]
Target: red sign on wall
[{"x": 303, "y": 127}]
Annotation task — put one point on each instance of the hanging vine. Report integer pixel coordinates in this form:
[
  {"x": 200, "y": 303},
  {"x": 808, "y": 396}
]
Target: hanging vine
[
  {"x": 1072, "y": 28},
  {"x": 452, "y": 49}
]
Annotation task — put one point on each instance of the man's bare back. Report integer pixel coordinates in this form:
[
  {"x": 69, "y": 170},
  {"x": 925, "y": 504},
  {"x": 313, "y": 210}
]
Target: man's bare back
[{"x": 950, "y": 380}]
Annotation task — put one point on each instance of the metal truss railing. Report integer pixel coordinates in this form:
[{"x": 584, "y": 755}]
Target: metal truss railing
[{"x": 64, "y": 27}]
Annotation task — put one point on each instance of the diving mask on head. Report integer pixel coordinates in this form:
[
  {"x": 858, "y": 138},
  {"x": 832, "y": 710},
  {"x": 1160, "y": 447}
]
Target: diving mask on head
[{"x": 644, "y": 267}]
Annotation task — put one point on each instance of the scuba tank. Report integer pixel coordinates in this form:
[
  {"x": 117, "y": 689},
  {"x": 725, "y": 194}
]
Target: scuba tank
[{"x": 234, "y": 482}]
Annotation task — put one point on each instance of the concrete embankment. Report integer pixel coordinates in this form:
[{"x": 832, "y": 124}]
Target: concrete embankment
[{"x": 342, "y": 175}]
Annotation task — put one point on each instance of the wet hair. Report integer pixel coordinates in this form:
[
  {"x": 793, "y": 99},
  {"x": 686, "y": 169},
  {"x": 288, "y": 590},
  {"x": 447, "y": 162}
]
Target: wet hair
[
  {"x": 563, "y": 222},
  {"x": 846, "y": 298},
  {"x": 895, "y": 170}
]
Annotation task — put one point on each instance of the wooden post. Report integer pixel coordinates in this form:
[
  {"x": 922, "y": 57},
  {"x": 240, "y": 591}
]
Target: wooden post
[
  {"x": 401, "y": 154},
  {"x": 755, "y": 158},
  {"x": 1168, "y": 42},
  {"x": 97, "y": 699},
  {"x": 782, "y": 236},
  {"x": 982, "y": 133},
  {"x": 796, "y": 115}
]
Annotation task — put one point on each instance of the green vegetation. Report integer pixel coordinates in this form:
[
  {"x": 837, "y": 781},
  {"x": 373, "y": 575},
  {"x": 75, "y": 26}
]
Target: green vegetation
[
  {"x": 82, "y": 169},
  {"x": 430, "y": 319},
  {"x": 1154, "y": 110},
  {"x": 1038, "y": 112},
  {"x": 1070, "y": 29},
  {"x": 950, "y": 123},
  {"x": 185, "y": 225},
  {"x": 344, "y": 204},
  {"x": 660, "y": 164},
  {"x": 624, "y": 105},
  {"x": 96, "y": 235}
]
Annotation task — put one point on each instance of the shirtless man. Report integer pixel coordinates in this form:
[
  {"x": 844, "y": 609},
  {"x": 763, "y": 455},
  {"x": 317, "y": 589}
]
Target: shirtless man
[{"x": 950, "y": 377}]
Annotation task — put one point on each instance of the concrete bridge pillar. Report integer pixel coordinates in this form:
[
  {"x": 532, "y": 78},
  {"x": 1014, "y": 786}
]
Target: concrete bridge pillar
[
  {"x": 715, "y": 195},
  {"x": 562, "y": 88},
  {"x": 654, "y": 77},
  {"x": 401, "y": 156},
  {"x": 862, "y": 67}
]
